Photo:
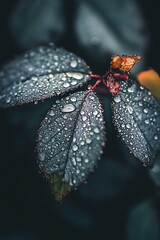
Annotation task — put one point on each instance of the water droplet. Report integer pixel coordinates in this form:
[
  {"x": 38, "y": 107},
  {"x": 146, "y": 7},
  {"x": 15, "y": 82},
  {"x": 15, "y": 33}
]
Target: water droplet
[
  {"x": 51, "y": 113},
  {"x": 8, "y": 100},
  {"x": 74, "y": 82},
  {"x": 145, "y": 110},
  {"x": 75, "y": 147},
  {"x": 132, "y": 88},
  {"x": 66, "y": 84},
  {"x": 84, "y": 118},
  {"x": 130, "y": 109},
  {"x": 73, "y": 99},
  {"x": 78, "y": 159},
  {"x": 88, "y": 140},
  {"x": 96, "y": 130},
  {"x": 128, "y": 125},
  {"x": 156, "y": 137},
  {"x": 42, "y": 156},
  {"x": 86, "y": 160},
  {"x": 75, "y": 75},
  {"x": 68, "y": 108},
  {"x": 117, "y": 99},
  {"x": 73, "y": 64},
  {"x": 74, "y": 161},
  {"x": 147, "y": 121},
  {"x": 95, "y": 112}
]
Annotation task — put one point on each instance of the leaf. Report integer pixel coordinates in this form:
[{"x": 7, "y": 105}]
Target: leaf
[
  {"x": 41, "y": 73},
  {"x": 136, "y": 116},
  {"x": 151, "y": 80},
  {"x": 105, "y": 29},
  {"x": 124, "y": 63},
  {"x": 70, "y": 141},
  {"x": 143, "y": 223},
  {"x": 35, "y": 22},
  {"x": 155, "y": 172}
]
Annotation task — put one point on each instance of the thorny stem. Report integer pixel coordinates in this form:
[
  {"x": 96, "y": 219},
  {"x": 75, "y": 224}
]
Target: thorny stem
[{"x": 111, "y": 80}]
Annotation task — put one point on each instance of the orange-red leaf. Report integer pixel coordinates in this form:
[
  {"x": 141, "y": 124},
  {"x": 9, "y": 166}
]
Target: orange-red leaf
[
  {"x": 151, "y": 80},
  {"x": 124, "y": 63}
]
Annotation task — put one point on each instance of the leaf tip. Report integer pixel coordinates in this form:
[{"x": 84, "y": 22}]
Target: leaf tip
[{"x": 59, "y": 187}]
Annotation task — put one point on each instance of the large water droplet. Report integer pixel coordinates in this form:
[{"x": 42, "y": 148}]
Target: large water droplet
[
  {"x": 51, "y": 113},
  {"x": 145, "y": 110},
  {"x": 73, "y": 99},
  {"x": 75, "y": 75},
  {"x": 156, "y": 137},
  {"x": 128, "y": 125},
  {"x": 117, "y": 99},
  {"x": 68, "y": 108},
  {"x": 88, "y": 140},
  {"x": 130, "y": 109},
  {"x": 96, "y": 130},
  {"x": 75, "y": 147},
  {"x": 73, "y": 64},
  {"x": 66, "y": 85},
  {"x": 132, "y": 88},
  {"x": 84, "y": 118}
]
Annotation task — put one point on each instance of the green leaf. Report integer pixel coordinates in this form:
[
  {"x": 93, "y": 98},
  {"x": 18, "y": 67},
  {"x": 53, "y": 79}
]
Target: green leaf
[{"x": 70, "y": 141}]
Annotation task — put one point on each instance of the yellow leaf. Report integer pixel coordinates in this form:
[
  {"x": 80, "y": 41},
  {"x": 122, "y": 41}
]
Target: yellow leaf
[
  {"x": 124, "y": 63},
  {"x": 151, "y": 80}
]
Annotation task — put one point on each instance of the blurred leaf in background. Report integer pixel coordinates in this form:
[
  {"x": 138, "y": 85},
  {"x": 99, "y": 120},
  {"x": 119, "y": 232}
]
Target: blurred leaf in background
[
  {"x": 143, "y": 222},
  {"x": 35, "y": 22},
  {"x": 112, "y": 27}
]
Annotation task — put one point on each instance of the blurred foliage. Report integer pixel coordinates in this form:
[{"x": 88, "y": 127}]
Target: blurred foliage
[
  {"x": 151, "y": 80},
  {"x": 94, "y": 30},
  {"x": 143, "y": 222}
]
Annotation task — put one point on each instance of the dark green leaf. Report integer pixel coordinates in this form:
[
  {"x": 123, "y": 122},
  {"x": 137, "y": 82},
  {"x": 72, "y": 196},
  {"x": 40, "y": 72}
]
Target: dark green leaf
[
  {"x": 137, "y": 119},
  {"x": 143, "y": 223},
  {"x": 115, "y": 27},
  {"x": 41, "y": 73},
  {"x": 36, "y": 21},
  {"x": 70, "y": 141}
]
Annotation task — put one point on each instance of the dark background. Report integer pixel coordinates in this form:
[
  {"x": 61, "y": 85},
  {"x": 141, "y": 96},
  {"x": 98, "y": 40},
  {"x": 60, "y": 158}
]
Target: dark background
[{"x": 120, "y": 200}]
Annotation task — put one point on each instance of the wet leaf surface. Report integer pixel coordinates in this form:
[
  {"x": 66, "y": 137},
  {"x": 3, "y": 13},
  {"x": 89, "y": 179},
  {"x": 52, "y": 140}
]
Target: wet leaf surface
[
  {"x": 41, "y": 73},
  {"x": 136, "y": 116},
  {"x": 70, "y": 141}
]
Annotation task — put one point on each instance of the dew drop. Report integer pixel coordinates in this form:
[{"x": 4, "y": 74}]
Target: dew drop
[
  {"x": 73, "y": 99},
  {"x": 75, "y": 75},
  {"x": 146, "y": 121},
  {"x": 117, "y": 99},
  {"x": 86, "y": 160},
  {"x": 74, "y": 82},
  {"x": 73, "y": 64},
  {"x": 145, "y": 110},
  {"x": 84, "y": 118},
  {"x": 8, "y": 100},
  {"x": 132, "y": 88},
  {"x": 88, "y": 140},
  {"x": 68, "y": 108},
  {"x": 66, "y": 85},
  {"x": 75, "y": 147},
  {"x": 128, "y": 125},
  {"x": 95, "y": 112},
  {"x": 130, "y": 109},
  {"x": 156, "y": 137},
  {"x": 96, "y": 130},
  {"x": 51, "y": 113}
]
